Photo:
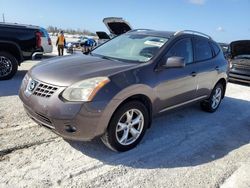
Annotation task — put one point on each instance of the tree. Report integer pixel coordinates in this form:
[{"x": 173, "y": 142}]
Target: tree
[{"x": 53, "y": 29}]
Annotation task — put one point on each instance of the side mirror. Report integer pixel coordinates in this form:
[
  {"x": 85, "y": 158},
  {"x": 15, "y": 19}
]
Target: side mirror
[{"x": 174, "y": 62}]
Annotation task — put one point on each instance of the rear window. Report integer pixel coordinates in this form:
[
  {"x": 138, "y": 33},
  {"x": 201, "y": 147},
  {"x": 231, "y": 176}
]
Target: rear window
[
  {"x": 202, "y": 50},
  {"x": 215, "y": 48}
]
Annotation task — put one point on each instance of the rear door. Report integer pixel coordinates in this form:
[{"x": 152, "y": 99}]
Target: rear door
[
  {"x": 102, "y": 37},
  {"x": 207, "y": 65},
  {"x": 177, "y": 86}
]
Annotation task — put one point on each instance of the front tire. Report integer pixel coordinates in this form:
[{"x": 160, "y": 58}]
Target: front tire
[
  {"x": 127, "y": 127},
  {"x": 214, "y": 100},
  {"x": 8, "y": 66}
]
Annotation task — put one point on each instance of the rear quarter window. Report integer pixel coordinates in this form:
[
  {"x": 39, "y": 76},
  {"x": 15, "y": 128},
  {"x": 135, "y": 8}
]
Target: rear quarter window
[
  {"x": 202, "y": 49},
  {"x": 215, "y": 48}
]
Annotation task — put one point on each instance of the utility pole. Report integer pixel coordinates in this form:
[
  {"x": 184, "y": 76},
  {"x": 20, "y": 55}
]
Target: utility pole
[{"x": 3, "y": 19}]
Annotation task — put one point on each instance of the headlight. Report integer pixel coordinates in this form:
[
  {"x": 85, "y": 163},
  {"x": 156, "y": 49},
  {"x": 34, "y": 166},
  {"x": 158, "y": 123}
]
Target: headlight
[
  {"x": 84, "y": 90},
  {"x": 25, "y": 81}
]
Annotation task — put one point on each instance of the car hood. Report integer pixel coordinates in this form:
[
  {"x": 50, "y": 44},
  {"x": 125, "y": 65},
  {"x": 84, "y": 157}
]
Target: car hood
[
  {"x": 241, "y": 47},
  {"x": 102, "y": 35},
  {"x": 64, "y": 71},
  {"x": 117, "y": 26}
]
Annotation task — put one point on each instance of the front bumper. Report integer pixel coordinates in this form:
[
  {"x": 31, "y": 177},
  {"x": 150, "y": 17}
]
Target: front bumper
[
  {"x": 81, "y": 127},
  {"x": 74, "y": 121}
]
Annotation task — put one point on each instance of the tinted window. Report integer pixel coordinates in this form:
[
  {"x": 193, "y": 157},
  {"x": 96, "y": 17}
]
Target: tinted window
[
  {"x": 182, "y": 48},
  {"x": 202, "y": 50},
  {"x": 215, "y": 47}
]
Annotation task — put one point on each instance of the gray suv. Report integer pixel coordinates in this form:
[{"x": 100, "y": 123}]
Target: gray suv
[{"x": 116, "y": 90}]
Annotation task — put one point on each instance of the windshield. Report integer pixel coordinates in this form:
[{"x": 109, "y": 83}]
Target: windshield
[{"x": 131, "y": 47}]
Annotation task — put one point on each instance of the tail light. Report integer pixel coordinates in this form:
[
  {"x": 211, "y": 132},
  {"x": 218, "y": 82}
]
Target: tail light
[
  {"x": 49, "y": 41},
  {"x": 38, "y": 39}
]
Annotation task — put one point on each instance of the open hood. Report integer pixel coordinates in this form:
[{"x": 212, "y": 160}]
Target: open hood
[
  {"x": 117, "y": 26},
  {"x": 241, "y": 47},
  {"x": 102, "y": 35}
]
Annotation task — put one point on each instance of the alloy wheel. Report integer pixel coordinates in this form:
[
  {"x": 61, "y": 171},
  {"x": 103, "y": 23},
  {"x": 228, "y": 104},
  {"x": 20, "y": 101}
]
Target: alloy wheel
[
  {"x": 129, "y": 127},
  {"x": 216, "y": 98},
  {"x": 5, "y": 66}
]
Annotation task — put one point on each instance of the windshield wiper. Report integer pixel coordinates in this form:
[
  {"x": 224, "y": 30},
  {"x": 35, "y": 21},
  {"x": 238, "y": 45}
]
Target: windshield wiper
[{"x": 108, "y": 58}]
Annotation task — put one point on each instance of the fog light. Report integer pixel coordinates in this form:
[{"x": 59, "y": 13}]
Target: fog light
[{"x": 70, "y": 129}]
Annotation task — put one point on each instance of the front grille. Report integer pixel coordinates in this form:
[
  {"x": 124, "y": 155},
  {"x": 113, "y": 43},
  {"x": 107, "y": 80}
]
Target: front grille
[
  {"x": 44, "y": 90},
  {"x": 242, "y": 66}
]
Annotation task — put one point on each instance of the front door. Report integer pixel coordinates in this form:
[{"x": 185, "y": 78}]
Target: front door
[{"x": 177, "y": 86}]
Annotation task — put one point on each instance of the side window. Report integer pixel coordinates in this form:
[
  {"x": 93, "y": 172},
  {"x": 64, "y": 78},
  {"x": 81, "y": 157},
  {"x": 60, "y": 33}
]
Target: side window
[
  {"x": 182, "y": 48},
  {"x": 202, "y": 50}
]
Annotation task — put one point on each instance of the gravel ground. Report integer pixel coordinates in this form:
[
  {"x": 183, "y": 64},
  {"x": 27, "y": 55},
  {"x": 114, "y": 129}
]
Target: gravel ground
[{"x": 183, "y": 148}]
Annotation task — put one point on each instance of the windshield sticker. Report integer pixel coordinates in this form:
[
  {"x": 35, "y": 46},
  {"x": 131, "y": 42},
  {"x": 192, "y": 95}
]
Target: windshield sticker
[{"x": 154, "y": 43}]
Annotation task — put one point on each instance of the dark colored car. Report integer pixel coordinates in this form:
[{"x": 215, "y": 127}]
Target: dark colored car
[
  {"x": 240, "y": 61},
  {"x": 116, "y": 90},
  {"x": 17, "y": 43}
]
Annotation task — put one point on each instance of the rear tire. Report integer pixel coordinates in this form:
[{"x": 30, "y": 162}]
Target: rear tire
[
  {"x": 127, "y": 127},
  {"x": 213, "y": 103},
  {"x": 8, "y": 66}
]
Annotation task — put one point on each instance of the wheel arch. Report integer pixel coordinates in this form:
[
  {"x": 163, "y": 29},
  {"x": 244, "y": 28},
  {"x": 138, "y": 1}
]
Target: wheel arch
[
  {"x": 145, "y": 100},
  {"x": 224, "y": 84},
  {"x": 108, "y": 136},
  {"x": 13, "y": 49}
]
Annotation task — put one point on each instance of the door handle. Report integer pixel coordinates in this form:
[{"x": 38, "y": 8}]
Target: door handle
[
  {"x": 217, "y": 68},
  {"x": 193, "y": 74}
]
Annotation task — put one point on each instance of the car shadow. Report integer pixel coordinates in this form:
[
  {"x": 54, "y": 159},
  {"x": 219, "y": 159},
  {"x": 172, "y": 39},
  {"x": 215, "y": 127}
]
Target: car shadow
[
  {"x": 11, "y": 87},
  {"x": 181, "y": 138}
]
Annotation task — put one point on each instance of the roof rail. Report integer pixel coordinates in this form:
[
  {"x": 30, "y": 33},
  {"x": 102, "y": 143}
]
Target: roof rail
[
  {"x": 18, "y": 24},
  {"x": 193, "y": 32}
]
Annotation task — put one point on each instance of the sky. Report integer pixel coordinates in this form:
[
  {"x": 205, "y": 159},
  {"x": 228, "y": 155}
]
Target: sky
[{"x": 224, "y": 20}]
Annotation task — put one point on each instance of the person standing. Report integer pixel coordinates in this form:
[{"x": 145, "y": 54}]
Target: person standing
[{"x": 60, "y": 43}]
